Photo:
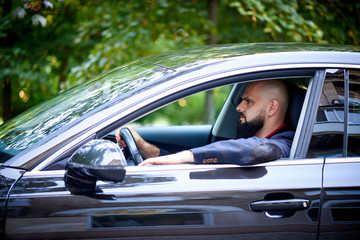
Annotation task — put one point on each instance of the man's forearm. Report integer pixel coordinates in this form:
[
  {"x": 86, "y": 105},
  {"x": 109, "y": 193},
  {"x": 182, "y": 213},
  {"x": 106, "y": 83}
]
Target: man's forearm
[
  {"x": 148, "y": 150},
  {"x": 177, "y": 158}
]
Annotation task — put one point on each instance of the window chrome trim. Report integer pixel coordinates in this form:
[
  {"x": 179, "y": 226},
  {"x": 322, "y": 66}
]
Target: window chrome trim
[
  {"x": 346, "y": 112},
  {"x": 342, "y": 160}
]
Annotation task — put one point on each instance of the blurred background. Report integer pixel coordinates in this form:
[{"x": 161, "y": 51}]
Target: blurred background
[{"x": 49, "y": 46}]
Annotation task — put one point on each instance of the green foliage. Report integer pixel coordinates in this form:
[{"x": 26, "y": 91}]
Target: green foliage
[
  {"x": 339, "y": 20},
  {"x": 139, "y": 28},
  {"x": 32, "y": 55},
  {"x": 318, "y": 21},
  {"x": 281, "y": 20}
]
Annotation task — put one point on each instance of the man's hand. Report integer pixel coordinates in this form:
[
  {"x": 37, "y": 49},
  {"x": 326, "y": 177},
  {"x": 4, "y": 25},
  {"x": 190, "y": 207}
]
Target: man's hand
[
  {"x": 177, "y": 158},
  {"x": 138, "y": 139},
  {"x": 146, "y": 149}
]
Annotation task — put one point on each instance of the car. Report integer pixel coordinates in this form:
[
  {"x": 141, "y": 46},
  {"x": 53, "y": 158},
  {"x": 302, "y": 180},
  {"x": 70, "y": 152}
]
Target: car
[{"x": 64, "y": 177}]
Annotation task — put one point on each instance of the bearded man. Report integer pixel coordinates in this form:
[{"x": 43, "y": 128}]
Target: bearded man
[{"x": 262, "y": 134}]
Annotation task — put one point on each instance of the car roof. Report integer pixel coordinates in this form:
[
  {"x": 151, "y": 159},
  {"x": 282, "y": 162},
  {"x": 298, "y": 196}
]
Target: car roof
[{"x": 194, "y": 57}]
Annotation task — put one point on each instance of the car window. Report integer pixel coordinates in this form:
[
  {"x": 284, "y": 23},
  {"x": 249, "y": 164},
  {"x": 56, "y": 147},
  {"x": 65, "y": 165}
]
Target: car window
[
  {"x": 328, "y": 132},
  {"x": 327, "y": 137},
  {"x": 187, "y": 113},
  {"x": 191, "y": 110},
  {"x": 354, "y": 114}
]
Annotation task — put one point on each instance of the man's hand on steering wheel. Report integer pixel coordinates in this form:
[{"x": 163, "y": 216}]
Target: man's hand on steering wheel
[
  {"x": 146, "y": 149},
  {"x": 138, "y": 139},
  {"x": 131, "y": 146}
]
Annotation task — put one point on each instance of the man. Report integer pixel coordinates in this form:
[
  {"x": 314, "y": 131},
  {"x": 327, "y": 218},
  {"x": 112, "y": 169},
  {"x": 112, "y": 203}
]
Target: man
[{"x": 262, "y": 134}]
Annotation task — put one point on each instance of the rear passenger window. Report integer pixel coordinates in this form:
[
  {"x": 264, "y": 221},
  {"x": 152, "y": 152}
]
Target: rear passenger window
[
  {"x": 328, "y": 134},
  {"x": 354, "y": 114}
]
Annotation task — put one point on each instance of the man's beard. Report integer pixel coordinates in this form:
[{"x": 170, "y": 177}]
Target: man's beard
[{"x": 249, "y": 129}]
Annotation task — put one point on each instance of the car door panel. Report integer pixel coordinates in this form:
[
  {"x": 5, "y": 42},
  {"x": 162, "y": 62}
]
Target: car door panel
[
  {"x": 162, "y": 201},
  {"x": 340, "y": 217},
  {"x": 8, "y": 176}
]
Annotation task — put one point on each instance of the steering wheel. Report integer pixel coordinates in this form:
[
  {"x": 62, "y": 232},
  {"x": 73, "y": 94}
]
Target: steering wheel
[{"x": 131, "y": 145}]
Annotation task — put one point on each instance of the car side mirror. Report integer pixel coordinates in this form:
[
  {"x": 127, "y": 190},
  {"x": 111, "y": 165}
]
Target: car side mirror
[{"x": 96, "y": 160}]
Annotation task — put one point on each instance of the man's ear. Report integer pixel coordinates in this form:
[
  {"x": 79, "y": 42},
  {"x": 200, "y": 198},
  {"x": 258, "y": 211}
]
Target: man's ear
[{"x": 273, "y": 107}]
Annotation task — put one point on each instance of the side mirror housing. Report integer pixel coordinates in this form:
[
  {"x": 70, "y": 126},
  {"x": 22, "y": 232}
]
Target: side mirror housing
[{"x": 96, "y": 160}]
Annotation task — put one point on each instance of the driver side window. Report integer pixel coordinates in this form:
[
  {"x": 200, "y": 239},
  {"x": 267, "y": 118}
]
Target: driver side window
[
  {"x": 185, "y": 123},
  {"x": 197, "y": 109},
  {"x": 161, "y": 127}
]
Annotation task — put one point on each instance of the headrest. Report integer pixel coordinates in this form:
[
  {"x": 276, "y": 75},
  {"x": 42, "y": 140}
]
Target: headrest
[{"x": 296, "y": 100}]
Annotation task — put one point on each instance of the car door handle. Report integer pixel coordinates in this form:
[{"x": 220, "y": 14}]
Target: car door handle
[{"x": 295, "y": 204}]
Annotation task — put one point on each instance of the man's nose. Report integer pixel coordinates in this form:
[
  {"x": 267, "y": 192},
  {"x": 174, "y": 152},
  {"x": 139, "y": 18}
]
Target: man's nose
[{"x": 240, "y": 107}]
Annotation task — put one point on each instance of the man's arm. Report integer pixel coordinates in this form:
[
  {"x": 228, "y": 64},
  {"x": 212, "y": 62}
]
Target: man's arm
[
  {"x": 177, "y": 158},
  {"x": 245, "y": 151},
  {"x": 146, "y": 149},
  {"x": 237, "y": 151}
]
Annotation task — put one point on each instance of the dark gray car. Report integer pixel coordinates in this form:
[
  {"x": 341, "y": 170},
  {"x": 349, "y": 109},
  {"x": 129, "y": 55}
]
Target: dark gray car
[{"x": 313, "y": 194}]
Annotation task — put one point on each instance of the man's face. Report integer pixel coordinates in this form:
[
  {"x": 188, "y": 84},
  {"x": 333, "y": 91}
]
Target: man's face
[
  {"x": 246, "y": 129},
  {"x": 252, "y": 111}
]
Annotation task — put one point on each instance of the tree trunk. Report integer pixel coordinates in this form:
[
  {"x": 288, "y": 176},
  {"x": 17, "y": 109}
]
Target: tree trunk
[
  {"x": 209, "y": 113},
  {"x": 6, "y": 86},
  {"x": 63, "y": 72},
  {"x": 7, "y": 99},
  {"x": 212, "y": 13},
  {"x": 65, "y": 56}
]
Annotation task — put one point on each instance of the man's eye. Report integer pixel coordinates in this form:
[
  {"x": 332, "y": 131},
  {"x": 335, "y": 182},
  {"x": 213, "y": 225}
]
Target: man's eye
[{"x": 248, "y": 101}]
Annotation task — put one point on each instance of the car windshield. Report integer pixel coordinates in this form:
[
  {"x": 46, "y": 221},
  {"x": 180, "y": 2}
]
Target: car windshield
[{"x": 38, "y": 122}]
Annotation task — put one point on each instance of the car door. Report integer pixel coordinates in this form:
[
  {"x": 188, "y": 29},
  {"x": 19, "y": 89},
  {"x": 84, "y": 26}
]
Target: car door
[
  {"x": 273, "y": 200},
  {"x": 336, "y": 137},
  {"x": 8, "y": 176}
]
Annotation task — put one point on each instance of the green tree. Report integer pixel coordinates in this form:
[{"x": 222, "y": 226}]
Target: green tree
[
  {"x": 134, "y": 29},
  {"x": 319, "y": 21},
  {"x": 37, "y": 49},
  {"x": 24, "y": 53},
  {"x": 44, "y": 50}
]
